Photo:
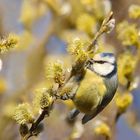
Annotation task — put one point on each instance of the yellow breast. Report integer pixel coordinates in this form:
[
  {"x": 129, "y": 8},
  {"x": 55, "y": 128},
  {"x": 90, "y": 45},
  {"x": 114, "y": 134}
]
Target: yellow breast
[{"x": 90, "y": 92}]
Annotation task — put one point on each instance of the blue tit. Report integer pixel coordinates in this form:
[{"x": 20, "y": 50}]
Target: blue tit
[{"x": 97, "y": 87}]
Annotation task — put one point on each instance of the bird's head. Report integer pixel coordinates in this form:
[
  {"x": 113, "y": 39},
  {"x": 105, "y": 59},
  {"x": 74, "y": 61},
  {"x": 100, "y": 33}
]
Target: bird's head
[{"x": 104, "y": 64}]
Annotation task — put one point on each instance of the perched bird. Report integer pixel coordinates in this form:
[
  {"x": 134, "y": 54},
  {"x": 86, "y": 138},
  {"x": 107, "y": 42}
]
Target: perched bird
[{"x": 97, "y": 87}]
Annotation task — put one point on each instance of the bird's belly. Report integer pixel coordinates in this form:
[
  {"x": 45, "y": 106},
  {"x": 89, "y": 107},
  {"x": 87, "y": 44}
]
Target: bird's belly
[
  {"x": 86, "y": 103},
  {"x": 90, "y": 92}
]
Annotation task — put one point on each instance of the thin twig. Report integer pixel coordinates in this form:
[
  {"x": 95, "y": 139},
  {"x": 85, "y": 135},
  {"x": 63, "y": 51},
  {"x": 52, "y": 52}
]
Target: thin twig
[
  {"x": 45, "y": 112},
  {"x": 100, "y": 32},
  {"x": 40, "y": 118}
]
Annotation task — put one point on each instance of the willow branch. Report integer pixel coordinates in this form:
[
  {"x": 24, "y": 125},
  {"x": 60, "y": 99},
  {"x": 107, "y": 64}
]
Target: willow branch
[
  {"x": 102, "y": 30},
  {"x": 45, "y": 112}
]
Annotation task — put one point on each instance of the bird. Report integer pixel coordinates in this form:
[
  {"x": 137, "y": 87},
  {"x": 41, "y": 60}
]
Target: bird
[{"x": 96, "y": 88}]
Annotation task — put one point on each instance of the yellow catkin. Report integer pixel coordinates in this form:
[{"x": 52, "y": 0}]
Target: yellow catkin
[
  {"x": 102, "y": 129},
  {"x": 123, "y": 101},
  {"x": 23, "y": 114}
]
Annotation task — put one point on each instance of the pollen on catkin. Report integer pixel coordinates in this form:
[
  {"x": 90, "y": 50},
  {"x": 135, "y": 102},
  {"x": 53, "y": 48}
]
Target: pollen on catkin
[
  {"x": 128, "y": 33},
  {"x": 77, "y": 48},
  {"x": 8, "y": 43},
  {"x": 123, "y": 101},
  {"x": 42, "y": 99},
  {"x": 23, "y": 114},
  {"x": 56, "y": 72},
  {"x": 102, "y": 128}
]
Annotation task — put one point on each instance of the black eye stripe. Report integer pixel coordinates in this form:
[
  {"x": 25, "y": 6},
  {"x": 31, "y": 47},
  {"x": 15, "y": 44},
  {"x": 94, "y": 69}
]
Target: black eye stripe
[
  {"x": 91, "y": 61},
  {"x": 103, "y": 62},
  {"x": 100, "y": 61}
]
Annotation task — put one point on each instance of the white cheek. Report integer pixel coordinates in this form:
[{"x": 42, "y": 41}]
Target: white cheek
[{"x": 103, "y": 69}]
